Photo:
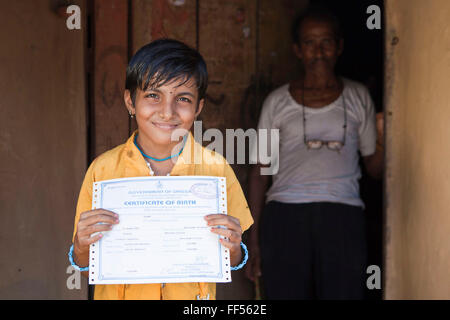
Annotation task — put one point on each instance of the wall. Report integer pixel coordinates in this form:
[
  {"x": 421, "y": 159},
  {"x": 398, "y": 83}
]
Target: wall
[
  {"x": 42, "y": 147},
  {"x": 417, "y": 231}
]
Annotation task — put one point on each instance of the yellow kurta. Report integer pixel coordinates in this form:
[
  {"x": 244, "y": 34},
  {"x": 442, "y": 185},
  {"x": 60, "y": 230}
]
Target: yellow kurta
[{"x": 126, "y": 161}]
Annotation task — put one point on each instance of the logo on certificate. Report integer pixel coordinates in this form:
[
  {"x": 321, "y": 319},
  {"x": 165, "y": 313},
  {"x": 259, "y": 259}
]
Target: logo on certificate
[{"x": 204, "y": 190}]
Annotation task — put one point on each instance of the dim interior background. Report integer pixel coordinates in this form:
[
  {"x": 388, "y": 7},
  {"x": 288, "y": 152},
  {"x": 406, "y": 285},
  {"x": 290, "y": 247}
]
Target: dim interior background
[{"x": 62, "y": 106}]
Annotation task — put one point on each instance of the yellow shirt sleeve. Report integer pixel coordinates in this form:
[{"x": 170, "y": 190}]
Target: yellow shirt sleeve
[
  {"x": 85, "y": 197},
  {"x": 237, "y": 205}
]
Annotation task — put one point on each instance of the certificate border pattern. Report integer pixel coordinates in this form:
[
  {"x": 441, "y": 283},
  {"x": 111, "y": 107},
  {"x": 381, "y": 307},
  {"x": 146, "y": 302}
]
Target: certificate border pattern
[{"x": 98, "y": 187}]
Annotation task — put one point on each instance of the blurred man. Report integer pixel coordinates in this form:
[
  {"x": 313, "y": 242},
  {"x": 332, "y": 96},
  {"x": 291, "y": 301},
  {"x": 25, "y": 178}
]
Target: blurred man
[{"x": 309, "y": 231}]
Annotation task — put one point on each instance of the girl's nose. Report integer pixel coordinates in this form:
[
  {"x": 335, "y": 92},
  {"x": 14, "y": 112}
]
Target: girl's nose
[{"x": 167, "y": 110}]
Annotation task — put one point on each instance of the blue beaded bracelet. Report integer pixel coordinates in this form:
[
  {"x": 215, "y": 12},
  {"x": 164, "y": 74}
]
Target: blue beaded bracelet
[
  {"x": 73, "y": 263},
  {"x": 244, "y": 261}
]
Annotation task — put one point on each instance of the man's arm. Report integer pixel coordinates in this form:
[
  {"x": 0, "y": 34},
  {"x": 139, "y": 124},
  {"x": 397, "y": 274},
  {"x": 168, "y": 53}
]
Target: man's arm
[
  {"x": 375, "y": 163},
  {"x": 258, "y": 185}
]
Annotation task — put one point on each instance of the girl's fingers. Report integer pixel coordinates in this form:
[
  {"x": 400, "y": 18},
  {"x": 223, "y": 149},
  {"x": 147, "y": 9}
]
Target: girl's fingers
[
  {"x": 87, "y": 232},
  {"x": 227, "y": 244},
  {"x": 230, "y": 234},
  {"x": 233, "y": 246},
  {"x": 90, "y": 240},
  {"x": 100, "y": 217},
  {"x": 94, "y": 212},
  {"x": 85, "y": 235},
  {"x": 224, "y": 220}
]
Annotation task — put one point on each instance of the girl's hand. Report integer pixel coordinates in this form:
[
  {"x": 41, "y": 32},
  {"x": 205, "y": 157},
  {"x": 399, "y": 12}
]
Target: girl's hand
[
  {"x": 90, "y": 222},
  {"x": 233, "y": 233}
]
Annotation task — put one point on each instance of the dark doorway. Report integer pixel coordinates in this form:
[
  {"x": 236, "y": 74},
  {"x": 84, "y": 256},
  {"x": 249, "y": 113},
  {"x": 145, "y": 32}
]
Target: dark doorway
[{"x": 363, "y": 61}]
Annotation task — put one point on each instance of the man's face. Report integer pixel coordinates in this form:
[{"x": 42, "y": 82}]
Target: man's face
[
  {"x": 318, "y": 47},
  {"x": 159, "y": 111}
]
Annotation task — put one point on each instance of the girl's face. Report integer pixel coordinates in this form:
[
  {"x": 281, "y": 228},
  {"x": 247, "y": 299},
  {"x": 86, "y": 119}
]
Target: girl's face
[{"x": 159, "y": 111}]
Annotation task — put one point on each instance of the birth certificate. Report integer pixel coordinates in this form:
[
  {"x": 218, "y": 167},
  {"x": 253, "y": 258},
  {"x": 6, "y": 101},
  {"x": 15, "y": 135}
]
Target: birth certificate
[{"x": 162, "y": 235}]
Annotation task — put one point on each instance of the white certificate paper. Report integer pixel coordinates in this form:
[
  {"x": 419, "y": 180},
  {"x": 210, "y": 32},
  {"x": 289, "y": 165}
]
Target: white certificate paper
[{"x": 162, "y": 236}]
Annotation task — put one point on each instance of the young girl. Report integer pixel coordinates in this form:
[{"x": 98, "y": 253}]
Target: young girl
[{"x": 166, "y": 83}]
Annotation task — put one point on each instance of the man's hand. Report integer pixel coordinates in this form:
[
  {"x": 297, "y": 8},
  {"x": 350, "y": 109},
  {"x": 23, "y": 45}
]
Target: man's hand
[
  {"x": 253, "y": 267},
  {"x": 380, "y": 128},
  {"x": 233, "y": 233},
  {"x": 375, "y": 163}
]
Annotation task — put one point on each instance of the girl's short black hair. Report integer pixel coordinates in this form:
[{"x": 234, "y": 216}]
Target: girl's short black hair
[
  {"x": 317, "y": 13},
  {"x": 162, "y": 61}
]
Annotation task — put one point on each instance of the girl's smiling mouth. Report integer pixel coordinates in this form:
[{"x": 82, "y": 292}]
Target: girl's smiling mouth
[{"x": 165, "y": 125}]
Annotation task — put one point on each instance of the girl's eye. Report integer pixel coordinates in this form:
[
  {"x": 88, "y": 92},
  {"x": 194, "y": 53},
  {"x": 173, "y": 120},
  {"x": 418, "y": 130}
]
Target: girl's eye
[
  {"x": 184, "y": 99},
  {"x": 152, "y": 95}
]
